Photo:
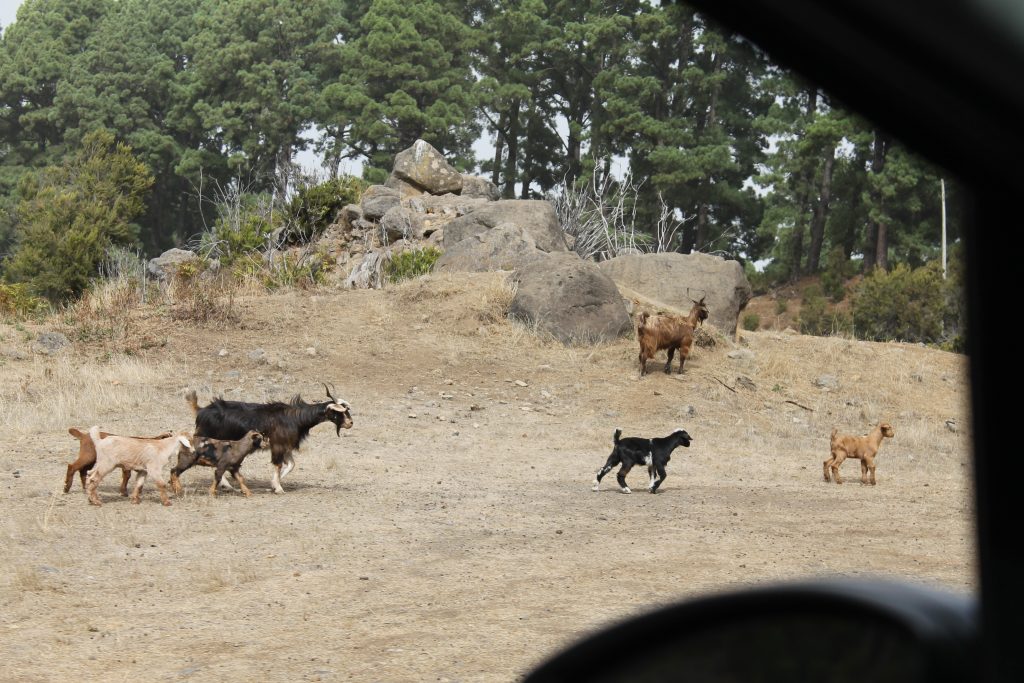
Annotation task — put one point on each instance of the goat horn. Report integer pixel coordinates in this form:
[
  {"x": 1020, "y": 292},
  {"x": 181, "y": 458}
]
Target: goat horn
[{"x": 328, "y": 392}]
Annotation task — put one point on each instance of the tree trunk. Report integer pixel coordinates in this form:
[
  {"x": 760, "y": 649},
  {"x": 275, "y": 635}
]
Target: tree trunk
[
  {"x": 574, "y": 149},
  {"x": 869, "y": 247},
  {"x": 525, "y": 192},
  {"x": 512, "y": 159},
  {"x": 878, "y": 243},
  {"x": 796, "y": 245},
  {"x": 821, "y": 213},
  {"x": 701, "y": 237},
  {"x": 882, "y": 250},
  {"x": 689, "y": 237},
  {"x": 499, "y": 147},
  {"x": 803, "y": 200}
]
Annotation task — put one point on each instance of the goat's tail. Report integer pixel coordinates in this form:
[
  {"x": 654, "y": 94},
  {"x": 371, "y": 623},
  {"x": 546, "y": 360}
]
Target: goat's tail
[
  {"x": 834, "y": 432},
  {"x": 192, "y": 400},
  {"x": 618, "y": 433},
  {"x": 76, "y": 432}
]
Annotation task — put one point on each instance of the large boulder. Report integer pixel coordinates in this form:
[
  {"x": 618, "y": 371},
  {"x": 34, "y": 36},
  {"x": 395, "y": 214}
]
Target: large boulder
[
  {"x": 401, "y": 223},
  {"x": 376, "y": 200},
  {"x": 570, "y": 299},
  {"x": 166, "y": 265},
  {"x": 666, "y": 277},
  {"x": 536, "y": 217},
  {"x": 480, "y": 188},
  {"x": 504, "y": 247},
  {"x": 425, "y": 167}
]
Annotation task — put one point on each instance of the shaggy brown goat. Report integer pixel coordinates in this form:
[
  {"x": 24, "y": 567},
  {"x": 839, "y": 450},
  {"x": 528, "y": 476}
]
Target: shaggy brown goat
[
  {"x": 864, "y": 448},
  {"x": 662, "y": 331},
  {"x": 87, "y": 458},
  {"x": 226, "y": 456}
]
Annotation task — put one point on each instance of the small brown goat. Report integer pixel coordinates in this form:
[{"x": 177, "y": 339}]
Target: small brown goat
[
  {"x": 144, "y": 456},
  {"x": 87, "y": 458},
  {"x": 662, "y": 331},
  {"x": 226, "y": 456},
  {"x": 863, "y": 448}
]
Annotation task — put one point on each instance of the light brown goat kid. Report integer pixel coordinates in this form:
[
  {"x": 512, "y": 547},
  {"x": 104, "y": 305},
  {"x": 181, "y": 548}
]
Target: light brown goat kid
[
  {"x": 87, "y": 458},
  {"x": 663, "y": 331},
  {"x": 143, "y": 456},
  {"x": 863, "y": 448}
]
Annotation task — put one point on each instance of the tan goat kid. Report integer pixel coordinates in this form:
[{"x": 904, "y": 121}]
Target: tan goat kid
[
  {"x": 663, "y": 331},
  {"x": 143, "y": 456},
  {"x": 87, "y": 458},
  {"x": 863, "y": 448}
]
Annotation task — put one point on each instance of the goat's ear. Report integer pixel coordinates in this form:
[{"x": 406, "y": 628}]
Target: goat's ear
[{"x": 185, "y": 442}]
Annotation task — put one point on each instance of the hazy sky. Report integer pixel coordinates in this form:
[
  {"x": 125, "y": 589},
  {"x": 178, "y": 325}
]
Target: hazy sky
[{"x": 8, "y": 10}]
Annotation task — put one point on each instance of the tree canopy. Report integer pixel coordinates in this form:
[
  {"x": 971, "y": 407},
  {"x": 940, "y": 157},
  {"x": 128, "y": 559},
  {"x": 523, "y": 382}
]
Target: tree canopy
[{"x": 754, "y": 162}]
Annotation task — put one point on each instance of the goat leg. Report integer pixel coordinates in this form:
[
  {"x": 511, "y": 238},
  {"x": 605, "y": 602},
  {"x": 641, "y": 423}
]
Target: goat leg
[
  {"x": 661, "y": 478},
  {"x": 289, "y": 465},
  {"x": 125, "y": 476},
  {"x": 140, "y": 479},
  {"x": 241, "y": 482},
  {"x": 275, "y": 480},
  {"x": 175, "y": 483},
  {"x": 621, "y": 478},
  {"x": 668, "y": 363},
  {"x": 869, "y": 469},
  {"x": 612, "y": 461},
  {"x": 161, "y": 486}
]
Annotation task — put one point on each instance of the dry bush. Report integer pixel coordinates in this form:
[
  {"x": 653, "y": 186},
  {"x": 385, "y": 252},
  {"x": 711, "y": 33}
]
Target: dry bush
[{"x": 202, "y": 301}]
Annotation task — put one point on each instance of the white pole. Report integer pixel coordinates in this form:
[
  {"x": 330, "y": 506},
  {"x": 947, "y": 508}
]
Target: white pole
[{"x": 942, "y": 183}]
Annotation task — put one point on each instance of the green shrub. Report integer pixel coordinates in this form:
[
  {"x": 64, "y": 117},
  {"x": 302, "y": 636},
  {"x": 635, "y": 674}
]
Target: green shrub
[
  {"x": 904, "y": 304},
  {"x": 812, "y": 293},
  {"x": 70, "y": 215},
  {"x": 411, "y": 263},
  {"x": 242, "y": 228},
  {"x": 781, "y": 305},
  {"x": 314, "y": 207},
  {"x": 17, "y": 302},
  {"x": 837, "y": 270},
  {"x": 815, "y": 318},
  {"x": 751, "y": 321}
]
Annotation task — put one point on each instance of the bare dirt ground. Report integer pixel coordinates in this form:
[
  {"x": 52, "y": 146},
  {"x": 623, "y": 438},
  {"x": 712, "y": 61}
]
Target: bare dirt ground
[{"x": 451, "y": 535}]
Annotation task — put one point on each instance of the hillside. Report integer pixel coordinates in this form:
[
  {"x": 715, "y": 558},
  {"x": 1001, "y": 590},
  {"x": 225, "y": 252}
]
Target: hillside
[{"x": 452, "y": 533}]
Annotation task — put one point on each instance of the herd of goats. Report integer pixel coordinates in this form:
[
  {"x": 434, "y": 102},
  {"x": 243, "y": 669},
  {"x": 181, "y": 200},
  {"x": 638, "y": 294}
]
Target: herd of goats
[{"x": 227, "y": 431}]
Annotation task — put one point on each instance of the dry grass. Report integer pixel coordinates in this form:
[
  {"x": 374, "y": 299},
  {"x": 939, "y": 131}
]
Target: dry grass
[
  {"x": 451, "y": 519},
  {"x": 51, "y": 394}
]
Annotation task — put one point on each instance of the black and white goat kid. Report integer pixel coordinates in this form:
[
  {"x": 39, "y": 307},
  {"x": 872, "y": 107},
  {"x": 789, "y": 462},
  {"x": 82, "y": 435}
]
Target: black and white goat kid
[{"x": 655, "y": 453}]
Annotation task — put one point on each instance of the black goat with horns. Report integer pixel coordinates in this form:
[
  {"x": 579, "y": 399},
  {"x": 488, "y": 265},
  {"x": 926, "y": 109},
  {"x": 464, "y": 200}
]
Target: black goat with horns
[{"x": 285, "y": 425}]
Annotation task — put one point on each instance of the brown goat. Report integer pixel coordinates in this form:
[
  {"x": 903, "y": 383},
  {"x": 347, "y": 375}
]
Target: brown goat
[
  {"x": 226, "y": 456},
  {"x": 662, "y": 331},
  {"x": 863, "y": 448},
  {"x": 87, "y": 458}
]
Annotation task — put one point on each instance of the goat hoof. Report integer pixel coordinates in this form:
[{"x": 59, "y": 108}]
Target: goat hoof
[{"x": 626, "y": 490}]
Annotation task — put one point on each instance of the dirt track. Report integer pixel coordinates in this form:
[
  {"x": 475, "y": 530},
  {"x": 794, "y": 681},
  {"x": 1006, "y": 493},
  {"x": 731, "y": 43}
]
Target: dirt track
[{"x": 452, "y": 533}]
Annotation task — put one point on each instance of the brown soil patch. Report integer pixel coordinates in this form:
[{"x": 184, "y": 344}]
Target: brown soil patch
[{"x": 452, "y": 533}]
